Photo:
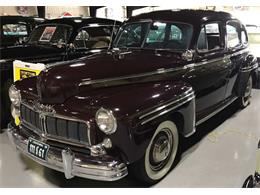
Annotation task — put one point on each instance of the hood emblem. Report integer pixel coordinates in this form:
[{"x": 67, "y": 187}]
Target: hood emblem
[{"x": 44, "y": 109}]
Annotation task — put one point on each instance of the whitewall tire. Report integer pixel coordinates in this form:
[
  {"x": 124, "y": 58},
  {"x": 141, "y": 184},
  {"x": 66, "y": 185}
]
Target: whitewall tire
[{"x": 160, "y": 154}]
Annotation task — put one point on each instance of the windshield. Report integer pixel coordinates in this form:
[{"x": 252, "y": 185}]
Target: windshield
[
  {"x": 50, "y": 34},
  {"x": 155, "y": 35}
]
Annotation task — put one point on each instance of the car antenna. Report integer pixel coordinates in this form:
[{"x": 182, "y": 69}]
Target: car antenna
[{"x": 111, "y": 36}]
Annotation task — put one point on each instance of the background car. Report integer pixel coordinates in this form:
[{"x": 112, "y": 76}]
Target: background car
[
  {"x": 15, "y": 29},
  {"x": 52, "y": 41}
]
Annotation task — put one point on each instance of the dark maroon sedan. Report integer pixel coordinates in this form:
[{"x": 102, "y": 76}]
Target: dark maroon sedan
[{"x": 125, "y": 109}]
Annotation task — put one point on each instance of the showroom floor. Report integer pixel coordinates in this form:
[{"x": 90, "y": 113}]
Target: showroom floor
[{"x": 221, "y": 154}]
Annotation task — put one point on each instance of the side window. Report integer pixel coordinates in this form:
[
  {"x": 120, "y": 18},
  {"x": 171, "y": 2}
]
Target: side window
[
  {"x": 244, "y": 39},
  {"x": 94, "y": 37},
  {"x": 175, "y": 33},
  {"x": 232, "y": 34},
  {"x": 81, "y": 39},
  {"x": 209, "y": 38},
  {"x": 156, "y": 33},
  {"x": 202, "y": 41},
  {"x": 132, "y": 35},
  {"x": 15, "y": 30}
]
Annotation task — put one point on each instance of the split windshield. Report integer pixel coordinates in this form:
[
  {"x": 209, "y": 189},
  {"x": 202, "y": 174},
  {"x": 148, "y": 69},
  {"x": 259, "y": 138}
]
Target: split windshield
[
  {"x": 50, "y": 34},
  {"x": 154, "y": 35}
]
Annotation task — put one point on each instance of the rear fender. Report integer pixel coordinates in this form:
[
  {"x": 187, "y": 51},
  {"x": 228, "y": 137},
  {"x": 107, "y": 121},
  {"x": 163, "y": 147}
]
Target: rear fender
[{"x": 248, "y": 68}]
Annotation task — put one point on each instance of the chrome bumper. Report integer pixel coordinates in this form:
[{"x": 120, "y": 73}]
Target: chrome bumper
[{"x": 102, "y": 167}]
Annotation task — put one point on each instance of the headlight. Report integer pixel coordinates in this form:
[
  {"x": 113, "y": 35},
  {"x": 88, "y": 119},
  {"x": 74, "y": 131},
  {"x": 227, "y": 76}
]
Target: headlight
[
  {"x": 14, "y": 96},
  {"x": 106, "y": 121}
]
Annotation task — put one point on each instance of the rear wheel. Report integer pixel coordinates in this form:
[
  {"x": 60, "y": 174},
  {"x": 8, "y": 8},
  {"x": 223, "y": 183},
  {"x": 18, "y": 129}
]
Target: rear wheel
[
  {"x": 160, "y": 154},
  {"x": 244, "y": 101}
]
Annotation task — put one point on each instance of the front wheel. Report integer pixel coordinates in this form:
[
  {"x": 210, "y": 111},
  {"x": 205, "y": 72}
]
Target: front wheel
[
  {"x": 160, "y": 154},
  {"x": 244, "y": 101}
]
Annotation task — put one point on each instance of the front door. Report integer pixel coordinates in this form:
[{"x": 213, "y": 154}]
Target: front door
[{"x": 209, "y": 74}]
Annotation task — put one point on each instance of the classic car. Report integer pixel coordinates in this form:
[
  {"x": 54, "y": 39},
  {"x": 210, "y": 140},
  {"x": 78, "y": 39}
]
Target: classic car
[
  {"x": 15, "y": 29},
  {"x": 52, "y": 41},
  {"x": 125, "y": 110}
]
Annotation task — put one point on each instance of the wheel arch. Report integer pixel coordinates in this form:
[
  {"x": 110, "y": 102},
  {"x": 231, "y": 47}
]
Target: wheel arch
[{"x": 248, "y": 68}]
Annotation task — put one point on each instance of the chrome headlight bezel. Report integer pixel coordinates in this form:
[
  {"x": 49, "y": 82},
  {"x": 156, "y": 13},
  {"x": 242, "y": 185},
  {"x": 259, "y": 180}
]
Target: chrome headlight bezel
[
  {"x": 15, "y": 96},
  {"x": 15, "y": 112},
  {"x": 105, "y": 126}
]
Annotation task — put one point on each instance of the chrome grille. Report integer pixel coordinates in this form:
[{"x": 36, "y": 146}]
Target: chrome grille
[{"x": 55, "y": 127}]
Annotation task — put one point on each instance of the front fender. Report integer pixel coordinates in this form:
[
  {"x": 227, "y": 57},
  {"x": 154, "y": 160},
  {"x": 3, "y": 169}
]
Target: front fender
[{"x": 139, "y": 110}]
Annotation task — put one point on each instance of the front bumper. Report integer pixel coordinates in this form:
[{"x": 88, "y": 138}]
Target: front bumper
[{"x": 103, "y": 167}]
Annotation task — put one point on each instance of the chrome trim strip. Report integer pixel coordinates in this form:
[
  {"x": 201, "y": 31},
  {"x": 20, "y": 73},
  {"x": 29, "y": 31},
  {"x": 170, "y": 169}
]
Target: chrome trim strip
[
  {"x": 246, "y": 69},
  {"x": 209, "y": 61},
  {"x": 159, "y": 71},
  {"x": 166, "y": 105},
  {"x": 193, "y": 122},
  {"x": 105, "y": 167},
  {"x": 191, "y": 133},
  {"x": 239, "y": 52},
  {"x": 168, "y": 110},
  {"x": 3, "y": 61},
  {"x": 215, "y": 112},
  {"x": 53, "y": 137}
]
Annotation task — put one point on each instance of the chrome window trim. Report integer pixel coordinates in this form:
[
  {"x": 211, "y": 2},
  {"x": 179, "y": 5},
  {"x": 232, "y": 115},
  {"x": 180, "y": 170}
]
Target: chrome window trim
[{"x": 57, "y": 138}]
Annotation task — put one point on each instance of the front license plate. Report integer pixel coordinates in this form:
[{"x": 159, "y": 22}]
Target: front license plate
[
  {"x": 26, "y": 74},
  {"x": 37, "y": 148}
]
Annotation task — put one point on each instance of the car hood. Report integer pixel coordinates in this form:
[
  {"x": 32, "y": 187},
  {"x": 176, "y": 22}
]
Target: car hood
[{"x": 106, "y": 69}]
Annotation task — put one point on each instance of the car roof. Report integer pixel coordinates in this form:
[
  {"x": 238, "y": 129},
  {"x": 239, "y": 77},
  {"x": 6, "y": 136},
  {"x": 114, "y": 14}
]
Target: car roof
[
  {"x": 194, "y": 17},
  {"x": 78, "y": 22}
]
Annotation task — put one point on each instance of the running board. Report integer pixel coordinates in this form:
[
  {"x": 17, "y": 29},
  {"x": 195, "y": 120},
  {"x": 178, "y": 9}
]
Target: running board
[{"x": 216, "y": 111}]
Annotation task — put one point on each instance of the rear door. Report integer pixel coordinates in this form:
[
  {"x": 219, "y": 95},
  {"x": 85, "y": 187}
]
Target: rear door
[{"x": 236, "y": 42}]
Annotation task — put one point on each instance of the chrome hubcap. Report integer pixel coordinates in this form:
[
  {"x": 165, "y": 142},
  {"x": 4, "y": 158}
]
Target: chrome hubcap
[{"x": 161, "y": 149}]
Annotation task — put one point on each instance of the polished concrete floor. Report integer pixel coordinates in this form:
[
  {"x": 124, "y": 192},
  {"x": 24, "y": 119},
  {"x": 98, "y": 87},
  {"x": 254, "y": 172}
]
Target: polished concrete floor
[{"x": 222, "y": 153}]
